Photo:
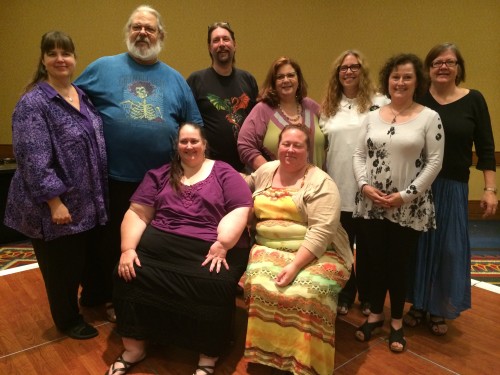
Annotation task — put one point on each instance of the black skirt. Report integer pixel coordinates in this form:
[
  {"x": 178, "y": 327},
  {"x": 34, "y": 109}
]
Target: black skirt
[{"x": 173, "y": 299}]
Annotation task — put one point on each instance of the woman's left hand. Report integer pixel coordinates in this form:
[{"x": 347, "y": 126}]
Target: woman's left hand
[
  {"x": 489, "y": 203},
  {"x": 394, "y": 200},
  {"x": 216, "y": 256},
  {"x": 287, "y": 275}
]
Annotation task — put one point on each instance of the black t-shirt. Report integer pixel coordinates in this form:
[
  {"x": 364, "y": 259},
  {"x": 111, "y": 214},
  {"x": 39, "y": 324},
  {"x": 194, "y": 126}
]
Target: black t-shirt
[{"x": 224, "y": 103}]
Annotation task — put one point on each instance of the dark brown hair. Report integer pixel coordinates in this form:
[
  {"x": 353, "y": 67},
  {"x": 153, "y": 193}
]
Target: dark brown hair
[
  {"x": 401, "y": 59},
  {"x": 268, "y": 92},
  {"x": 222, "y": 25},
  {"x": 176, "y": 170},
  {"x": 439, "y": 49},
  {"x": 50, "y": 41}
]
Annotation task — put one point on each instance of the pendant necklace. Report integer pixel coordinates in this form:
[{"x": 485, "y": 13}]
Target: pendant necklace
[{"x": 396, "y": 114}]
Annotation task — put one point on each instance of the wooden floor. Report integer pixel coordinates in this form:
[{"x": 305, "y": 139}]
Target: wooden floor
[{"x": 29, "y": 343}]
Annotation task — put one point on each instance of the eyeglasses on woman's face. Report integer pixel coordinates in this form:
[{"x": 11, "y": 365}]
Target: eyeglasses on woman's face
[
  {"x": 281, "y": 77},
  {"x": 448, "y": 63},
  {"x": 354, "y": 68}
]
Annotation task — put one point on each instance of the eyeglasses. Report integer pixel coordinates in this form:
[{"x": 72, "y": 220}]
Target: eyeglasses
[
  {"x": 448, "y": 63},
  {"x": 281, "y": 77},
  {"x": 354, "y": 68},
  {"x": 137, "y": 28}
]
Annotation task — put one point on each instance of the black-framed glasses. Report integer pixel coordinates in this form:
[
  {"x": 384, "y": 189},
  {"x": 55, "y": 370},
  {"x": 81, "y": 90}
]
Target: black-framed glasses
[
  {"x": 354, "y": 68},
  {"x": 281, "y": 77},
  {"x": 448, "y": 63}
]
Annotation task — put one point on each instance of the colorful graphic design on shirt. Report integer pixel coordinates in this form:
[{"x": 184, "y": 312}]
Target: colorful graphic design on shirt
[
  {"x": 143, "y": 101},
  {"x": 233, "y": 106}
]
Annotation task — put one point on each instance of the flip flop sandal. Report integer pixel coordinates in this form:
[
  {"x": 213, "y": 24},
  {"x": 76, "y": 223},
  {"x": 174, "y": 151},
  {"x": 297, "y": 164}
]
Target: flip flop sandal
[
  {"x": 208, "y": 370},
  {"x": 121, "y": 370}
]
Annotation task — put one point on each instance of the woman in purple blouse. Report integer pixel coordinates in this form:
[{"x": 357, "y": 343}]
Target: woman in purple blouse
[
  {"x": 57, "y": 196},
  {"x": 184, "y": 248}
]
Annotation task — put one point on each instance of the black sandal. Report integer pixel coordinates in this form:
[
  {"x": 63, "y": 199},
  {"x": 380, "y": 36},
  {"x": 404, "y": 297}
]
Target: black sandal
[
  {"x": 364, "y": 333},
  {"x": 434, "y": 325},
  {"x": 208, "y": 370},
  {"x": 413, "y": 317},
  {"x": 397, "y": 336},
  {"x": 122, "y": 370}
]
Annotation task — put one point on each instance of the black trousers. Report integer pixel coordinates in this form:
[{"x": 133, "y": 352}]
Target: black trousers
[
  {"x": 388, "y": 248},
  {"x": 97, "y": 284},
  {"x": 356, "y": 283},
  {"x": 62, "y": 262}
]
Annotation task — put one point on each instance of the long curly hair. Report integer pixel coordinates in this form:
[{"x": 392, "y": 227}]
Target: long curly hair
[
  {"x": 268, "y": 93},
  {"x": 333, "y": 96}
]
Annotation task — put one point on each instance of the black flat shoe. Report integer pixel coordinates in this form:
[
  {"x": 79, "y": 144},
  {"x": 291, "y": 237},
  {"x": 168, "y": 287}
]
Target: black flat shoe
[
  {"x": 82, "y": 331},
  {"x": 364, "y": 333}
]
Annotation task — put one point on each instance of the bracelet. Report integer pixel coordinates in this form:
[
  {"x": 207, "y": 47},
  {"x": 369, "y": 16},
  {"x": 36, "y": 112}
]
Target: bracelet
[
  {"x": 362, "y": 187},
  {"x": 492, "y": 189}
]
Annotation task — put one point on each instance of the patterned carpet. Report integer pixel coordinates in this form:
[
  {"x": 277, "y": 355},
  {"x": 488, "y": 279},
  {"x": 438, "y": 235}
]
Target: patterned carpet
[
  {"x": 486, "y": 268},
  {"x": 16, "y": 254},
  {"x": 485, "y": 244}
]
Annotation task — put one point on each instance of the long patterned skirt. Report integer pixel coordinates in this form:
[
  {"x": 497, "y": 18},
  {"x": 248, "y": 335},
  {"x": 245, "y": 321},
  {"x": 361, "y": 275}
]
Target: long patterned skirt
[{"x": 292, "y": 328}]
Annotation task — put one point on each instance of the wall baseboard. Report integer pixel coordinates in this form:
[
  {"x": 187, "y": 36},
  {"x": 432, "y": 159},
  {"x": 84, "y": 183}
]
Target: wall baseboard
[{"x": 6, "y": 151}]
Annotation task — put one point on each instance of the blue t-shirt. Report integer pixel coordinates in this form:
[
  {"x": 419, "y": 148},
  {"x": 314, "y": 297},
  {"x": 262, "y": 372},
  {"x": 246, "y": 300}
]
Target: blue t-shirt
[{"x": 142, "y": 107}]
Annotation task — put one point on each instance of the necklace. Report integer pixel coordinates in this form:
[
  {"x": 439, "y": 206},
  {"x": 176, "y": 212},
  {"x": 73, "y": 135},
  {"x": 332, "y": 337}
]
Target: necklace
[
  {"x": 396, "y": 114},
  {"x": 301, "y": 179},
  {"x": 349, "y": 102},
  {"x": 70, "y": 99},
  {"x": 292, "y": 119}
]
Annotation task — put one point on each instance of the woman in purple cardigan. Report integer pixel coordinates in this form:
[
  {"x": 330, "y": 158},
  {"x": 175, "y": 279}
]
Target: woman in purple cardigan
[{"x": 57, "y": 196}]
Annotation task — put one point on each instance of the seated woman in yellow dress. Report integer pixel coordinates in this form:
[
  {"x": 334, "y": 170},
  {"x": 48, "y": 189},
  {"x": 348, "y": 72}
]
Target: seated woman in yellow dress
[{"x": 299, "y": 263}]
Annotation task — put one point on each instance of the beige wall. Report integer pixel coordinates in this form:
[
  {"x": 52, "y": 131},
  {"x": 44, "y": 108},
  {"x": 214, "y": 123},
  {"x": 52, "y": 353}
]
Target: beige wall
[{"x": 313, "y": 32}]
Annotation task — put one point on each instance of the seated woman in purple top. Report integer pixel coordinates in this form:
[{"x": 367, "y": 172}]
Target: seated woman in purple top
[
  {"x": 57, "y": 196},
  {"x": 184, "y": 248}
]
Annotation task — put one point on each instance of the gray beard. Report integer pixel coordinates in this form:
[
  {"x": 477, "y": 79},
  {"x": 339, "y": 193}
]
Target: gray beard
[{"x": 145, "y": 54}]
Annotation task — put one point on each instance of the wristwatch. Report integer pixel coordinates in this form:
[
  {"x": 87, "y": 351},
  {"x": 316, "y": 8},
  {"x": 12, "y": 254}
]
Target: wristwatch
[{"x": 492, "y": 189}]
